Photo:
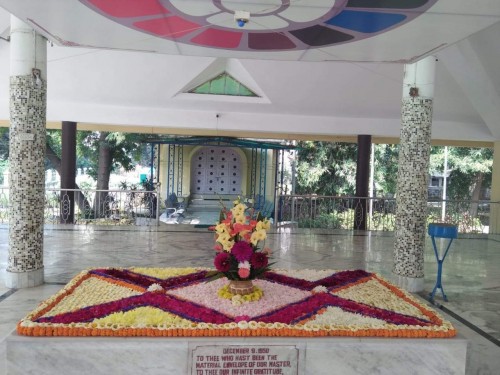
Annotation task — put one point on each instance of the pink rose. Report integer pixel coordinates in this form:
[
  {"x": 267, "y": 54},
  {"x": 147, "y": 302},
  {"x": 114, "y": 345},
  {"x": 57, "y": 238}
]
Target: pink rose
[{"x": 243, "y": 273}]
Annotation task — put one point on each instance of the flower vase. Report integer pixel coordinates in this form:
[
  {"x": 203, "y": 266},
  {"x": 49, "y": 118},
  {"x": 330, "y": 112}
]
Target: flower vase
[{"x": 241, "y": 287}]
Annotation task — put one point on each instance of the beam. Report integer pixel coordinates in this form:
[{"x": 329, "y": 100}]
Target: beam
[{"x": 250, "y": 134}]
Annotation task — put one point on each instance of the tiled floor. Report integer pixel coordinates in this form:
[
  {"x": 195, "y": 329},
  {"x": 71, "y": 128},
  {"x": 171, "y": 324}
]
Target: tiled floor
[
  {"x": 471, "y": 271},
  {"x": 201, "y": 218}
]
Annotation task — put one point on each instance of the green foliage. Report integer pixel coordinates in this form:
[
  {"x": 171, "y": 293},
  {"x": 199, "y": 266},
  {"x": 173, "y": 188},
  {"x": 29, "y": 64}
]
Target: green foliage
[
  {"x": 326, "y": 168},
  {"x": 4, "y": 143},
  {"x": 125, "y": 186},
  {"x": 469, "y": 168},
  {"x": 386, "y": 169},
  {"x": 4, "y": 164},
  {"x": 382, "y": 221},
  {"x": 330, "y": 220},
  {"x": 330, "y": 169},
  {"x": 125, "y": 148}
]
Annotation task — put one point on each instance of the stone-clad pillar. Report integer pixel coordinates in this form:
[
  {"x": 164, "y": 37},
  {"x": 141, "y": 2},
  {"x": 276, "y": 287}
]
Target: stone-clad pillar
[
  {"x": 28, "y": 67},
  {"x": 413, "y": 170}
]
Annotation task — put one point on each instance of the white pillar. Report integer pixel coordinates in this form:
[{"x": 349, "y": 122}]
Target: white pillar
[
  {"x": 413, "y": 169},
  {"x": 28, "y": 74}
]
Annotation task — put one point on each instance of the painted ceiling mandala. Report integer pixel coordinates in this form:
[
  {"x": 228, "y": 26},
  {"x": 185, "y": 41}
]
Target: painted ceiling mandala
[{"x": 274, "y": 25}]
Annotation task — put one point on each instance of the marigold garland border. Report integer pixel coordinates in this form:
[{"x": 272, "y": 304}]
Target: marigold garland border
[{"x": 28, "y": 326}]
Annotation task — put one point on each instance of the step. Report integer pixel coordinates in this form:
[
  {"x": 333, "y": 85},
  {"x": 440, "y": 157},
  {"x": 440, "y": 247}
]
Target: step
[
  {"x": 215, "y": 197},
  {"x": 204, "y": 203}
]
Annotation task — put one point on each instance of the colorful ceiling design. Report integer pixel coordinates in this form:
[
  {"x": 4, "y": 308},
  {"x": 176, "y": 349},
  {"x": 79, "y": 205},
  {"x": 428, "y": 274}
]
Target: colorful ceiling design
[{"x": 274, "y": 25}]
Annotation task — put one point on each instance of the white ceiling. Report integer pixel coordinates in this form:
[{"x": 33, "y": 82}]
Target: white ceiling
[{"x": 358, "y": 93}]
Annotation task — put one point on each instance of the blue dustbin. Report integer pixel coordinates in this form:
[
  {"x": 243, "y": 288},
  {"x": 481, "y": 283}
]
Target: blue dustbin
[{"x": 441, "y": 230}]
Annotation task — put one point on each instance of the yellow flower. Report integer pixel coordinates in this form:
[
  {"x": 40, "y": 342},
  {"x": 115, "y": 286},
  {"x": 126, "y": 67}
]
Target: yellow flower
[
  {"x": 222, "y": 237},
  {"x": 227, "y": 245},
  {"x": 226, "y": 241},
  {"x": 238, "y": 209},
  {"x": 265, "y": 224},
  {"x": 140, "y": 317},
  {"x": 238, "y": 300},
  {"x": 240, "y": 219},
  {"x": 258, "y": 235},
  {"x": 222, "y": 228},
  {"x": 242, "y": 325},
  {"x": 163, "y": 273}
]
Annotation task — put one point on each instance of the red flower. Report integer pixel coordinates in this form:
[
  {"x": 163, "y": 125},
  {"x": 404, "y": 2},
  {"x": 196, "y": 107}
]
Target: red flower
[
  {"x": 242, "y": 251},
  {"x": 240, "y": 229},
  {"x": 222, "y": 262},
  {"x": 259, "y": 260}
]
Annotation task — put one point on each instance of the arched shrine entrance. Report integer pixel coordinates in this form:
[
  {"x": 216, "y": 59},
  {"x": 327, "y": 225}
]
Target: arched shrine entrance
[{"x": 204, "y": 166}]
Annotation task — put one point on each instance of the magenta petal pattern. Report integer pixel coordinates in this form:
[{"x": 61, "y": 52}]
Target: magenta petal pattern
[
  {"x": 109, "y": 302},
  {"x": 242, "y": 251}
]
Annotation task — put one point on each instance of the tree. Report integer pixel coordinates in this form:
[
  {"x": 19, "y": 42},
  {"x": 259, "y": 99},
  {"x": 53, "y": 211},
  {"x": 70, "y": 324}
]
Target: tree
[
  {"x": 470, "y": 172},
  {"x": 4, "y": 152},
  {"x": 53, "y": 159},
  {"x": 107, "y": 152},
  {"x": 326, "y": 168},
  {"x": 386, "y": 169},
  {"x": 4, "y": 143},
  {"x": 100, "y": 152}
]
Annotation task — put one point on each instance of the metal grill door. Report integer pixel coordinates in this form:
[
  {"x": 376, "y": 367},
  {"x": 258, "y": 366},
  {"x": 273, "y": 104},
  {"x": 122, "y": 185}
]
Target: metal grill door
[{"x": 216, "y": 170}]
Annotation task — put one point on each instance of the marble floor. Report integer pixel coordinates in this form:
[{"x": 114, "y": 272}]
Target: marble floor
[{"x": 471, "y": 276}]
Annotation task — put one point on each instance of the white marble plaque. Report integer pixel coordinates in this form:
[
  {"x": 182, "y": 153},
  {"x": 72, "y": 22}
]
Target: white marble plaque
[
  {"x": 26, "y": 136},
  {"x": 244, "y": 360}
]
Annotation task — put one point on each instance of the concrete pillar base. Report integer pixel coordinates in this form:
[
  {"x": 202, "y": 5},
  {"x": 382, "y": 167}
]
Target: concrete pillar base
[
  {"x": 410, "y": 284},
  {"x": 20, "y": 280}
]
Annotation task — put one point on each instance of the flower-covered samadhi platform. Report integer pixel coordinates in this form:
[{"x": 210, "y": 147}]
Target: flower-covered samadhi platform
[{"x": 181, "y": 302}]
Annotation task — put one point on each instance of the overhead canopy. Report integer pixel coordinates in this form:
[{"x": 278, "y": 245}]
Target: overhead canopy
[
  {"x": 319, "y": 68},
  {"x": 220, "y": 142},
  {"x": 313, "y": 30}
]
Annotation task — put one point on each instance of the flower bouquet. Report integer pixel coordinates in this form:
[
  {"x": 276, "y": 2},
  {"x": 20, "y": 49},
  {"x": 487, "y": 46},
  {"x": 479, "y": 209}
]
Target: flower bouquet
[{"x": 239, "y": 256}]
